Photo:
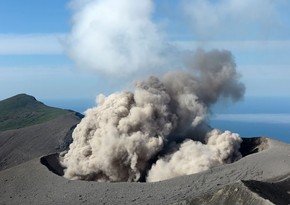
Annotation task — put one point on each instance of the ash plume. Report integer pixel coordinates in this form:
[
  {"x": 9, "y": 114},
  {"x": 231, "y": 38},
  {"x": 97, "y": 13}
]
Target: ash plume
[
  {"x": 159, "y": 130},
  {"x": 193, "y": 156}
]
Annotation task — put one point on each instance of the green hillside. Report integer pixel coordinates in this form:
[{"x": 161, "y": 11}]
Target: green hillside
[{"x": 23, "y": 110}]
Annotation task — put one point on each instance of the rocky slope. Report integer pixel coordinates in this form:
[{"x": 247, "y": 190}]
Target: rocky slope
[{"x": 30, "y": 129}]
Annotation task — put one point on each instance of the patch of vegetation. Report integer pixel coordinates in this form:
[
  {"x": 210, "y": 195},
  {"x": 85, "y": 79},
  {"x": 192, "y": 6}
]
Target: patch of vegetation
[{"x": 23, "y": 110}]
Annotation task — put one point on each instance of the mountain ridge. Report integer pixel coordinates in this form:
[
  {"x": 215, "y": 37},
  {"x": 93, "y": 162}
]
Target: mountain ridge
[
  {"x": 30, "y": 129},
  {"x": 23, "y": 110}
]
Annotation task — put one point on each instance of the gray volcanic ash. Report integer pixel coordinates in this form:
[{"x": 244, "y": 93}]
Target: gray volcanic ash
[{"x": 159, "y": 131}]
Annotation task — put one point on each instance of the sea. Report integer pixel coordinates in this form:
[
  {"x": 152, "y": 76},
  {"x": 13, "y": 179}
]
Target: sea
[
  {"x": 251, "y": 117},
  {"x": 254, "y": 117}
]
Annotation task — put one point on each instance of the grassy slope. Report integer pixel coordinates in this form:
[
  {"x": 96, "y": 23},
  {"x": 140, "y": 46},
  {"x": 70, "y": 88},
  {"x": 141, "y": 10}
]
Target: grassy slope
[{"x": 23, "y": 110}]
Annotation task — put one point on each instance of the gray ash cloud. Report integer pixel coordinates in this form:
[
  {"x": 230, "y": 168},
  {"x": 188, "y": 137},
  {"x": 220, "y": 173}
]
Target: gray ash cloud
[{"x": 159, "y": 130}]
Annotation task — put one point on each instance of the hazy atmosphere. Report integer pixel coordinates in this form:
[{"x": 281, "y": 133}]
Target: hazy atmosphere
[{"x": 65, "y": 56}]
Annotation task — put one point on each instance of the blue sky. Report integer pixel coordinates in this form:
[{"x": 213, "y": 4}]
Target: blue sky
[
  {"x": 32, "y": 16},
  {"x": 33, "y": 57}
]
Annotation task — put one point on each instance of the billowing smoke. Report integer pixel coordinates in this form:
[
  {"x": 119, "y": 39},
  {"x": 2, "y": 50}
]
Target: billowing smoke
[
  {"x": 194, "y": 156},
  {"x": 159, "y": 131},
  {"x": 113, "y": 36}
]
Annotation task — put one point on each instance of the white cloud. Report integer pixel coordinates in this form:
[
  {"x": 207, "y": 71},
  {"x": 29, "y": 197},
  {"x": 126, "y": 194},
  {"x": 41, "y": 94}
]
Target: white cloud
[
  {"x": 233, "y": 18},
  {"x": 120, "y": 37},
  {"x": 237, "y": 45},
  {"x": 114, "y": 36},
  {"x": 257, "y": 118},
  {"x": 266, "y": 80},
  {"x": 30, "y": 44},
  {"x": 267, "y": 72}
]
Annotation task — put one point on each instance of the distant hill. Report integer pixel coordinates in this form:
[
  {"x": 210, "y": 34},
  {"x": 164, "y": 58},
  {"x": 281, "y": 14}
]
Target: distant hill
[
  {"x": 24, "y": 110},
  {"x": 29, "y": 129}
]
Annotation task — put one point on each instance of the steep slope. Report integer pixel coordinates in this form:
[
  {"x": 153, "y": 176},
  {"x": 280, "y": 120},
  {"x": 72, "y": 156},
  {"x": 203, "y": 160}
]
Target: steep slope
[
  {"x": 40, "y": 129},
  {"x": 24, "y": 110}
]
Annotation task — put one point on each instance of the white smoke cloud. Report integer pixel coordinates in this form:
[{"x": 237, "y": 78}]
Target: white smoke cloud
[
  {"x": 194, "y": 156},
  {"x": 121, "y": 37},
  {"x": 120, "y": 138},
  {"x": 113, "y": 36}
]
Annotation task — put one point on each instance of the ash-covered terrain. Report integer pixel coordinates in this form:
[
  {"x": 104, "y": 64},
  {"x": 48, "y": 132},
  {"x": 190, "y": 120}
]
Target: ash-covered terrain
[{"x": 260, "y": 176}]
